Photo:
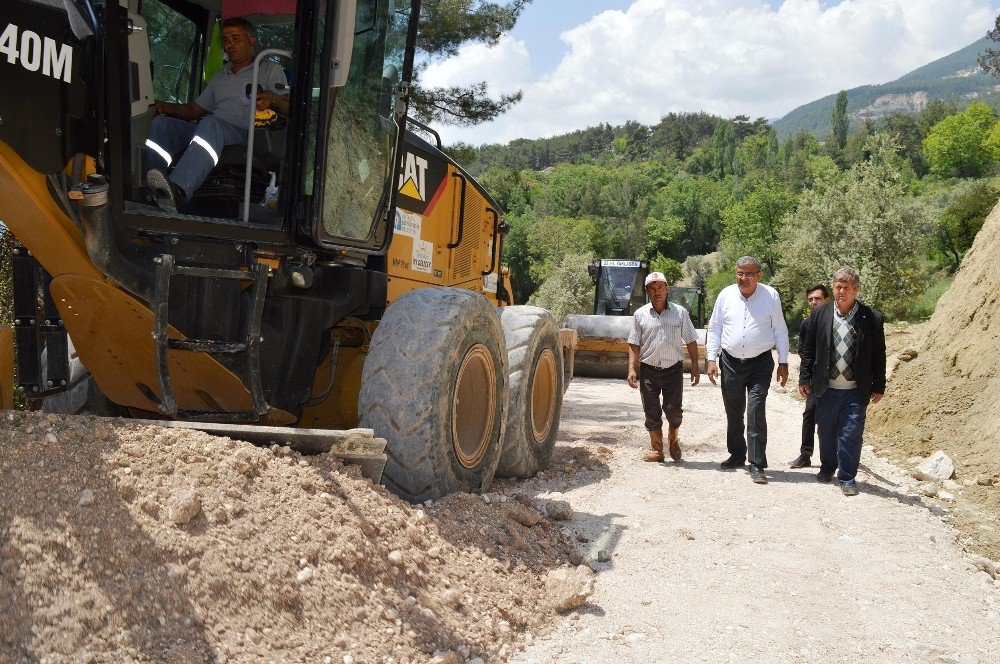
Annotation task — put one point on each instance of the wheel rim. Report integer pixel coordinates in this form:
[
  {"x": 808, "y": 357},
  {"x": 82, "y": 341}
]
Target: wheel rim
[
  {"x": 472, "y": 410},
  {"x": 543, "y": 395}
]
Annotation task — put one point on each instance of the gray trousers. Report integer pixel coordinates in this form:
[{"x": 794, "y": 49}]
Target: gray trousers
[
  {"x": 201, "y": 144},
  {"x": 744, "y": 390}
]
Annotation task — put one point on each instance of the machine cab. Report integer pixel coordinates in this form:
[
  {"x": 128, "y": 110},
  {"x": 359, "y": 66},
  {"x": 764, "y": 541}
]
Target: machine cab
[{"x": 315, "y": 167}]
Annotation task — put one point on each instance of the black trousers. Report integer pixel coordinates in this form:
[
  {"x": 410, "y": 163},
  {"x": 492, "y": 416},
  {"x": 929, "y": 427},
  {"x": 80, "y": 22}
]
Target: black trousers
[
  {"x": 809, "y": 426},
  {"x": 744, "y": 392},
  {"x": 654, "y": 382}
]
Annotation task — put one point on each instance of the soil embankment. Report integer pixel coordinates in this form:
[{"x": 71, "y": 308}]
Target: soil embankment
[{"x": 945, "y": 390}]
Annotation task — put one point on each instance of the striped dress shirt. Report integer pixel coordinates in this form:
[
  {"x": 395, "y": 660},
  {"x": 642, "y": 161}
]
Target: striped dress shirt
[{"x": 661, "y": 337}]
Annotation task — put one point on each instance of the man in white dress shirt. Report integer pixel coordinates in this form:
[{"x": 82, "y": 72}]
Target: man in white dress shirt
[
  {"x": 746, "y": 324},
  {"x": 656, "y": 343}
]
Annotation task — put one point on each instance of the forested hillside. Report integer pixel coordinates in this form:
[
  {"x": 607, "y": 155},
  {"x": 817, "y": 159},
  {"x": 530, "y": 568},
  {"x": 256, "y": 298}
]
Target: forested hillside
[{"x": 900, "y": 198}]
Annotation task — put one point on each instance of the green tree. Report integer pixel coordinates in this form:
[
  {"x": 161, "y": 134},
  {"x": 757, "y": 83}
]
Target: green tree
[
  {"x": 961, "y": 221},
  {"x": 670, "y": 268},
  {"x": 864, "y": 220},
  {"x": 724, "y": 147},
  {"x": 446, "y": 26},
  {"x": 839, "y": 120},
  {"x": 989, "y": 59},
  {"x": 568, "y": 289},
  {"x": 684, "y": 217},
  {"x": 958, "y": 144},
  {"x": 753, "y": 225}
]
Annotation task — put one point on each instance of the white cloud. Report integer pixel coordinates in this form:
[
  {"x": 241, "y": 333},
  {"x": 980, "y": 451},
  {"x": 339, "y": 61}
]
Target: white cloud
[{"x": 721, "y": 56}]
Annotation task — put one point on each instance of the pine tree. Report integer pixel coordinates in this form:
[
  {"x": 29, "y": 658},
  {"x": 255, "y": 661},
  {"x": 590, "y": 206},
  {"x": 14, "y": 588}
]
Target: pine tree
[{"x": 839, "y": 121}]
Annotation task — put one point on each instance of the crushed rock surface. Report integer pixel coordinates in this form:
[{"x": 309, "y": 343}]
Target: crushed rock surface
[{"x": 127, "y": 542}]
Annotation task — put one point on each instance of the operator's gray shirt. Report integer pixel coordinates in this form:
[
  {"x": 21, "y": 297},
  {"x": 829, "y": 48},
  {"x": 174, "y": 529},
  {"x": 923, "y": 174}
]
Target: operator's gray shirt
[
  {"x": 661, "y": 337},
  {"x": 228, "y": 96}
]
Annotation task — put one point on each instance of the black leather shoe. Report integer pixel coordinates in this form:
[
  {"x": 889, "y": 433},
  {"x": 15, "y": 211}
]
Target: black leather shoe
[
  {"x": 757, "y": 475},
  {"x": 801, "y": 461},
  {"x": 732, "y": 463},
  {"x": 824, "y": 476},
  {"x": 850, "y": 488}
]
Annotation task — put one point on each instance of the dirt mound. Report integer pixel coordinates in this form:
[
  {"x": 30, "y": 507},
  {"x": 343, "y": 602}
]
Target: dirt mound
[
  {"x": 124, "y": 542},
  {"x": 944, "y": 390}
]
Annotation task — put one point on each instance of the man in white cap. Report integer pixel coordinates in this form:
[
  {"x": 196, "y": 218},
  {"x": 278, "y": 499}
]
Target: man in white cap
[{"x": 660, "y": 330}]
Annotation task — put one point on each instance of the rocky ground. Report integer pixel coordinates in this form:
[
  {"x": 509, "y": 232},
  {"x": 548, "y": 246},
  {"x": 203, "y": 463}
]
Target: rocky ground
[
  {"x": 697, "y": 564},
  {"x": 121, "y": 542}
]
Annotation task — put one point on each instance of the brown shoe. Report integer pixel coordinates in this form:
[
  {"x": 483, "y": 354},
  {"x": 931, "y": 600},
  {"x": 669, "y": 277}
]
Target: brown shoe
[
  {"x": 675, "y": 445},
  {"x": 656, "y": 442}
]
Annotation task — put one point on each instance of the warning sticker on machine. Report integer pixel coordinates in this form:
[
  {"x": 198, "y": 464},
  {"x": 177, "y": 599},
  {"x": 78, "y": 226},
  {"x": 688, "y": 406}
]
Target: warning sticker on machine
[
  {"x": 490, "y": 283},
  {"x": 423, "y": 253},
  {"x": 407, "y": 223}
]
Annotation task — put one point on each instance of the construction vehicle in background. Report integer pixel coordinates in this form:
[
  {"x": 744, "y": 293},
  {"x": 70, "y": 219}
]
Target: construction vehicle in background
[
  {"x": 619, "y": 291},
  {"x": 338, "y": 271}
]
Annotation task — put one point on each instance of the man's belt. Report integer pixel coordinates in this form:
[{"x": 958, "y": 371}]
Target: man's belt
[
  {"x": 745, "y": 360},
  {"x": 656, "y": 368}
]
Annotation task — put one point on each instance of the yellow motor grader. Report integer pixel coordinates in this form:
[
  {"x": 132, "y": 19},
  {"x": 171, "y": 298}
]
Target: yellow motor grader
[{"x": 338, "y": 271}]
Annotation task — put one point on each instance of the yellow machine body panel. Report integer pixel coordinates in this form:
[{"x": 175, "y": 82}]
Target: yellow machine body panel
[
  {"x": 29, "y": 211},
  {"x": 435, "y": 200},
  {"x": 113, "y": 331}
]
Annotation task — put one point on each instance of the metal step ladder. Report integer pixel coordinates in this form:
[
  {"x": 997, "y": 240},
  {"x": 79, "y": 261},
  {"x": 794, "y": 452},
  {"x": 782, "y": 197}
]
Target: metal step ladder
[{"x": 249, "y": 348}]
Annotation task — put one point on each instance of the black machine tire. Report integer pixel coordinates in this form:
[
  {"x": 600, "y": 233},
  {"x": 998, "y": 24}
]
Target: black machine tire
[
  {"x": 535, "y": 364},
  {"x": 434, "y": 385},
  {"x": 82, "y": 395}
]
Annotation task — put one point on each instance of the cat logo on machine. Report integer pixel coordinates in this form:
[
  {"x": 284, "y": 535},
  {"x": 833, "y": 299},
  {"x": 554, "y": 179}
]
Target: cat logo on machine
[
  {"x": 422, "y": 179},
  {"x": 413, "y": 181}
]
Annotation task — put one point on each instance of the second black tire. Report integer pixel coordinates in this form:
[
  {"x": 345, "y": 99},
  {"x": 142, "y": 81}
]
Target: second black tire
[{"x": 536, "y": 389}]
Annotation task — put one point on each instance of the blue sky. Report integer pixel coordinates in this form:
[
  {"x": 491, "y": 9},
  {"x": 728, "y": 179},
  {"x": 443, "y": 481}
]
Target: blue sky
[{"x": 583, "y": 62}]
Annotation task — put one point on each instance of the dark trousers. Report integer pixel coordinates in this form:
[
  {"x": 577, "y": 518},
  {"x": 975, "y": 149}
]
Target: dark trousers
[
  {"x": 809, "y": 426},
  {"x": 744, "y": 390},
  {"x": 654, "y": 382},
  {"x": 201, "y": 144},
  {"x": 840, "y": 419}
]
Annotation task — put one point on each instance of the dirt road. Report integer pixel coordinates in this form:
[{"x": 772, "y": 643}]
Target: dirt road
[{"x": 707, "y": 566}]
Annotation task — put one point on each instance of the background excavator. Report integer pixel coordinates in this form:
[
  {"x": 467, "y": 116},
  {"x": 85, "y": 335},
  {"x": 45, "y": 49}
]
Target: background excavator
[
  {"x": 367, "y": 291},
  {"x": 602, "y": 338}
]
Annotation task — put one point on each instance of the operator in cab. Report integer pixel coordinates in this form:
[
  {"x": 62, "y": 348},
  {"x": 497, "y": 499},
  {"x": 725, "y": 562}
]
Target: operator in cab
[{"x": 222, "y": 112}]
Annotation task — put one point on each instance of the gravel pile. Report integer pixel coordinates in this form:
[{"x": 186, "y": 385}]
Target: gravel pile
[{"x": 125, "y": 542}]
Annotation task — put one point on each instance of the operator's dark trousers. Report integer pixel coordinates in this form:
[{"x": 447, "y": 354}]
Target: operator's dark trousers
[
  {"x": 809, "y": 426},
  {"x": 201, "y": 144},
  {"x": 669, "y": 382},
  {"x": 744, "y": 390}
]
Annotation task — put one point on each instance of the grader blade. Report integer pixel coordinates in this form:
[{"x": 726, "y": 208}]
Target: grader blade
[
  {"x": 602, "y": 345},
  {"x": 357, "y": 447}
]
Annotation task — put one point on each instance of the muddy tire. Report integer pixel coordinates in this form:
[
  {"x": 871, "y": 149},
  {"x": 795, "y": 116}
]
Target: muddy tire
[
  {"x": 82, "y": 395},
  {"x": 434, "y": 385},
  {"x": 536, "y": 389}
]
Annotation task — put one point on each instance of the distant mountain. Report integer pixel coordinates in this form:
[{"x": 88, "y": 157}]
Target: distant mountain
[{"x": 956, "y": 76}]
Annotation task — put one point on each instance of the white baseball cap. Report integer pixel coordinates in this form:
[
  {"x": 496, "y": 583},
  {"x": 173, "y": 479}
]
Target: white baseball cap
[{"x": 655, "y": 276}]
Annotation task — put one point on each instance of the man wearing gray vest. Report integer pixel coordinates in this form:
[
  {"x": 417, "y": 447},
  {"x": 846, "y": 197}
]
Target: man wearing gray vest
[
  {"x": 843, "y": 368},
  {"x": 223, "y": 114}
]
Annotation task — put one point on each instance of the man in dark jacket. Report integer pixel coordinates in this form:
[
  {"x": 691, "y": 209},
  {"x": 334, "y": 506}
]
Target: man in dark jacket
[
  {"x": 816, "y": 295},
  {"x": 843, "y": 367}
]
